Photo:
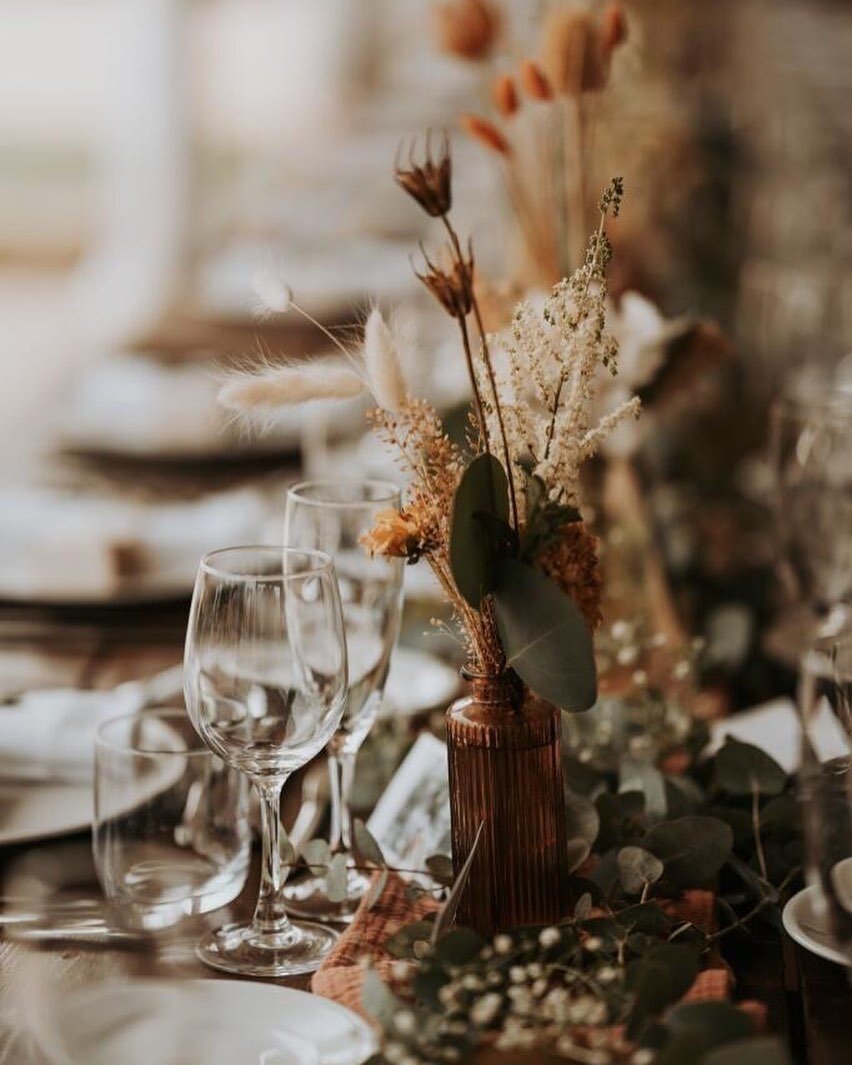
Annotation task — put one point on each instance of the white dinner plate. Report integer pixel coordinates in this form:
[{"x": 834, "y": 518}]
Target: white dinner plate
[
  {"x": 214, "y": 1022},
  {"x": 417, "y": 682},
  {"x": 806, "y": 924},
  {"x": 39, "y": 810}
]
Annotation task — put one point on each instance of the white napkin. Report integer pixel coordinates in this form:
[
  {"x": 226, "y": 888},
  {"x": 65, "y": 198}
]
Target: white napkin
[{"x": 50, "y": 735}]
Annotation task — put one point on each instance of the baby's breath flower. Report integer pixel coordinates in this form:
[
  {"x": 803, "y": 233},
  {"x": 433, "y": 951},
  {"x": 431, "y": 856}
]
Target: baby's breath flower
[
  {"x": 549, "y": 937},
  {"x": 593, "y": 944},
  {"x": 485, "y": 1009},
  {"x": 518, "y": 974},
  {"x": 404, "y": 1022},
  {"x": 503, "y": 944}
]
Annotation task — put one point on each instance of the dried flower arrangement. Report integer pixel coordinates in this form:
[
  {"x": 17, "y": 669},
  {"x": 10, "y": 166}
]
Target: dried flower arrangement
[
  {"x": 545, "y": 114},
  {"x": 503, "y": 532}
]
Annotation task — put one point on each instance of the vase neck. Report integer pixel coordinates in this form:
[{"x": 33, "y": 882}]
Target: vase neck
[{"x": 495, "y": 688}]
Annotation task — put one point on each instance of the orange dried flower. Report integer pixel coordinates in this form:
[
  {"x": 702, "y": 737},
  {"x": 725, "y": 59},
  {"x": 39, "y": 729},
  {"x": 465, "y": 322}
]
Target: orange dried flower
[
  {"x": 613, "y": 30},
  {"x": 394, "y": 535},
  {"x": 505, "y": 95},
  {"x": 466, "y": 28},
  {"x": 486, "y": 133},
  {"x": 572, "y": 54},
  {"x": 534, "y": 83},
  {"x": 452, "y": 286},
  {"x": 572, "y": 562}
]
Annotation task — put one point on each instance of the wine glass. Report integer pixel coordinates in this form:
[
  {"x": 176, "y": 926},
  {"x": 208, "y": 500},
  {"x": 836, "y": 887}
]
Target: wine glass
[
  {"x": 265, "y": 683},
  {"x": 825, "y": 780},
  {"x": 811, "y": 443},
  {"x": 332, "y": 516}
]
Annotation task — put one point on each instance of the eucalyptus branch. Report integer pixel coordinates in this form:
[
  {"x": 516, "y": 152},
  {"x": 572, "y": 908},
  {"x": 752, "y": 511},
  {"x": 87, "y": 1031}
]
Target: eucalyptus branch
[
  {"x": 755, "y": 824},
  {"x": 767, "y": 900}
]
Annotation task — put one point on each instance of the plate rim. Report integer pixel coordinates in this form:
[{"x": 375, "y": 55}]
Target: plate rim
[{"x": 794, "y": 929}]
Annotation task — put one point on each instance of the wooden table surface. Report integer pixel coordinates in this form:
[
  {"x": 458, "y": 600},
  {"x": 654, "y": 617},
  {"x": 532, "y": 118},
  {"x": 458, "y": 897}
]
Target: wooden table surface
[{"x": 808, "y": 999}]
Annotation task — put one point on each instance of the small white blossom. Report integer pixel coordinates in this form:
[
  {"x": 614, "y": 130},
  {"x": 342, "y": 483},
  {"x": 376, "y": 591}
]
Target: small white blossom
[
  {"x": 539, "y": 988},
  {"x": 503, "y": 944},
  {"x": 518, "y": 974},
  {"x": 404, "y": 1022},
  {"x": 682, "y": 670},
  {"x": 471, "y": 982},
  {"x": 640, "y": 678},
  {"x": 485, "y": 1009},
  {"x": 535, "y": 969},
  {"x": 642, "y": 1057},
  {"x": 606, "y": 974},
  {"x": 626, "y": 656},
  {"x": 549, "y": 937},
  {"x": 593, "y": 943}
]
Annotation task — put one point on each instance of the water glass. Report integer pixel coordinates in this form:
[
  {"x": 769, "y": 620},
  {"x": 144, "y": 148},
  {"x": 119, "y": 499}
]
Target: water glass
[
  {"x": 825, "y": 780},
  {"x": 171, "y": 833},
  {"x": 333, "y": 516}
]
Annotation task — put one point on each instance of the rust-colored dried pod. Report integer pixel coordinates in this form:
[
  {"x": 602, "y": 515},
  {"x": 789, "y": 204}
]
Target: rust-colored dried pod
[
  {"x": 572, "y": 55},
  {"x": 467, "y": 29},
  {"x": 452, "y": 285},
  {"x": 533, "y": 81},
  {"x": 428, "y": 181},
  {"x": 485, "y": 132},
  {"x": 572, "y": 562},
  {"x": 505, "y": 95},
  {"x": 613, "y": 29}
]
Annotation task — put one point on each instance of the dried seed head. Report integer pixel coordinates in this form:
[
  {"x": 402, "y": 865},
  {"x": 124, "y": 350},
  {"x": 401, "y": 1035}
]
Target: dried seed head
[
  {"x": 429, "y": 182},
  {"x": 486, "y": 133},
  {"x": 451, "y": 285},
  {"x": 467, "y": 29},
  {"x": 505, "y": 95},
  {"x": 534, "y": 83},
  {"x": 572, "y": 54}
]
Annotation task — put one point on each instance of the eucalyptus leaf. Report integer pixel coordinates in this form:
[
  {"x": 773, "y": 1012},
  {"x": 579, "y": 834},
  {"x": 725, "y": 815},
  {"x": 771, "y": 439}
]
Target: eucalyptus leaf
[
  {"x": 459, "y": 946},
  {"x": 761, "y": 1050},
  {"x": 637, "y": 775},
  {"x": 401, "y": 943},
  {"x": 693, "y": 849},
  {"x": 365, "y": 844},
  {"x": 741, "y": 768},
  {"x": 545, "y": 636},
  {"x": 374, "y": 892},
  {"x": 581, "y": 817},
  {"x": 637, "y": 868},
  {"x": 440, "y": 868},
  {"x": 316, "y": 852},
  {"x": 693, "y": 1029},
  {"x": 447, "y": 913},
  {"x": 336, "y": 878},
  {"x": 483, "y": 490},
  {"x": 378, "y": 1000},
  {"x": 578, "y": 850},
  {"x": 658, "y": 979},
  {"x": 583, "y": 907}
]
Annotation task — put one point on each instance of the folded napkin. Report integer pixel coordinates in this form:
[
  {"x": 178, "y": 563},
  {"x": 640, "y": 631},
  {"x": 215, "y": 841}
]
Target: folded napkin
[{"x": 49, "y": 735}]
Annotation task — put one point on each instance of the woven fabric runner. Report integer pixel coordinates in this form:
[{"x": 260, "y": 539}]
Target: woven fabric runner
[{"x": 341, "y": 976}]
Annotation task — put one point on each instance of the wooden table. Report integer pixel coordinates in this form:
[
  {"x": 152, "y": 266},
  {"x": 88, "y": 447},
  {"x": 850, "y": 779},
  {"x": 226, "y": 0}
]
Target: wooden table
[{"x": 808, "y": 1000}]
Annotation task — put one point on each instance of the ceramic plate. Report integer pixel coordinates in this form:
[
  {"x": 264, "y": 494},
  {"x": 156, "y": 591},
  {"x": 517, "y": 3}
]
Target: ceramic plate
[
  {"x": 418, "y": 682},
  {"x": 808, "y": 926},
  {"x": 215, "y": 1022}
]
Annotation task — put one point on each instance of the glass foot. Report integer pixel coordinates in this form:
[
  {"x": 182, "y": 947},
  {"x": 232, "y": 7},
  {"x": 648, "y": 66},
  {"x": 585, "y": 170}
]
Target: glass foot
[
  {"x": 242, "y": 949},
  {"x": 305, "y": 896}
]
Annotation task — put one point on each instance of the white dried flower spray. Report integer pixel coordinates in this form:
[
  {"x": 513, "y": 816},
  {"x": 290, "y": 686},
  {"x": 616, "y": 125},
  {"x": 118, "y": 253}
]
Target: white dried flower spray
[
  {"x": 289, "y": 385},
  {"x": 383, "y": 364}
]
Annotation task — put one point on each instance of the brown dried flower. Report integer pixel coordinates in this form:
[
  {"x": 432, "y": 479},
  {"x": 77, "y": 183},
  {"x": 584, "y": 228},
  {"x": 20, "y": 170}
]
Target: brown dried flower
[
  {"x": 572, "y": 53},
  {"x": 534, "y": 83},
  {"x": 613, "y": 28},
  {"x": 395, "y": 535},
  {"x": 486, "y": 133},
  {"x": 505, "y": 95},
  {"x": 466, "y": 28},
  {"x": 429, "y": 182},
  {"x": 572, "y": 562},
  {"x": 451, "y": 285}
]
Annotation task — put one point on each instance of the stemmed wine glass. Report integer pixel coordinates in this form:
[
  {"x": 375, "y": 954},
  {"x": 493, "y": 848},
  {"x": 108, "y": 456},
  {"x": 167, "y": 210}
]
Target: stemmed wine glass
[
  {"x": 332, "y": 516},
  {"x": 825, "y": 780},
  {"x": 265, "y": 682},
  {"x": 811, "y": 444}
]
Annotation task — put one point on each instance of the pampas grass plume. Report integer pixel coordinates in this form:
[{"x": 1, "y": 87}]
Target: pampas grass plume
[
  {"x": 287, "y": 386},
  {"x": 382, "y": 361}
]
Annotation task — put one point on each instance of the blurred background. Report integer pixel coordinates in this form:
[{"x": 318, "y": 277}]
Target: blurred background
[{"x": 156, "y": 154}]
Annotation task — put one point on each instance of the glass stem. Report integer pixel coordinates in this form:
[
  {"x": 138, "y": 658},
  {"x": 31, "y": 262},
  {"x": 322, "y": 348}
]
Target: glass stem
[
  {"x": 341, "y": 771},
  {"x": 270, "y": 917}
]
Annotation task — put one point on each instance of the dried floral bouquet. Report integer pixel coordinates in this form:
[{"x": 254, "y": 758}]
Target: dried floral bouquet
[{"x": 503, "y": 531}]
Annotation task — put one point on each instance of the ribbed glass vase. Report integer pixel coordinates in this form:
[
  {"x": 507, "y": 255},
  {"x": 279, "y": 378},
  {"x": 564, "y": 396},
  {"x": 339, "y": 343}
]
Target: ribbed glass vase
[{"x": 504, "y": 747}]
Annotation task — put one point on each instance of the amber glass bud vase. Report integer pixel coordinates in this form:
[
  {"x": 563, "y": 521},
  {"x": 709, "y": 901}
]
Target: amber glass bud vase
[{"x": 504, "y": 747}]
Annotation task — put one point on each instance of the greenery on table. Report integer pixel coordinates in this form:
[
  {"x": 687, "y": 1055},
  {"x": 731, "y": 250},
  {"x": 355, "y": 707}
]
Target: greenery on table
[{"x": 604, "y": 986}]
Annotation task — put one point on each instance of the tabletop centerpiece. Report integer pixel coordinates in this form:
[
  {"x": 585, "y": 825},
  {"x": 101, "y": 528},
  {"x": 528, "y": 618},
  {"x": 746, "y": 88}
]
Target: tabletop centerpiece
[{"x": 498, "y": 521}]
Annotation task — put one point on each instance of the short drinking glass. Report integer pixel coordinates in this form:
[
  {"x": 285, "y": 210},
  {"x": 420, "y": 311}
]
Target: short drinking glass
[
  {"x": 333, "y": 516},
  {"x": 825, "y": 780},
  {"x": 171, "y": 833},
  {"x": 265, "y": 683}
]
